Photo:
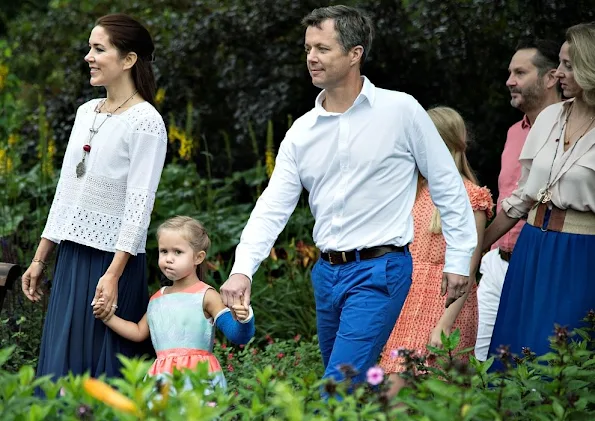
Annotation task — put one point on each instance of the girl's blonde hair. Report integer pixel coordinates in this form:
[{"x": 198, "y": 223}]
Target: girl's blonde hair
[
  {"x": 453, "y": 131},
  {"x": 581, "y": 43},
  {"x": 193, "y": 232}
]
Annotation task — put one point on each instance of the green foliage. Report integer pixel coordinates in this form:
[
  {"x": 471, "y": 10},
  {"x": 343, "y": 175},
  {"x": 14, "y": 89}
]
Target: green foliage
[
  {"x": 231, "y": 71},
  {"x": 281, "y": 381}
]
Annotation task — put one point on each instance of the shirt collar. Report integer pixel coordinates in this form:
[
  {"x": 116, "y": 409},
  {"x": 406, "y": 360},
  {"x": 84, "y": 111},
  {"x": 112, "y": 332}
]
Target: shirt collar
[
  {"x": 525, "y": 123},
  {"x": 368, "y": 93}
]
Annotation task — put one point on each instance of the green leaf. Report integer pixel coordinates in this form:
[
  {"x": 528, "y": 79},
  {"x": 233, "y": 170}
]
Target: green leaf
[
  {"x": 558, "y": 409},
  {"x": 5, "y": 354},
  {"x": 454, "y": 339}
]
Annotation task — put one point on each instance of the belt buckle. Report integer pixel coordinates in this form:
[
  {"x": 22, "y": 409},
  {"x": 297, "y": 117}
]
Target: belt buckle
[
  {"x": 343, "y": 258},
  {"x": 330, "y": 258}
]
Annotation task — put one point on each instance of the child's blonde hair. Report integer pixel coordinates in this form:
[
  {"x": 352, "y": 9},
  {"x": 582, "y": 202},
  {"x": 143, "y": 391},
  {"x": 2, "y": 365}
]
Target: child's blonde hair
[
  {"x": 193, "y": 232},
  {"x": 453, "y": 131}
]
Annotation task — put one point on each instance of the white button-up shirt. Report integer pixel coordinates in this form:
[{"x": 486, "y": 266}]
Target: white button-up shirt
[{"x": 360, "y": 168}]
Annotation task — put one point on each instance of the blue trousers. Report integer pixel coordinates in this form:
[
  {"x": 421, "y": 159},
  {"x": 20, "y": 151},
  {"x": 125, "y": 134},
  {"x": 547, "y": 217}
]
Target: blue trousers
[{"x": 357, "y": 306}]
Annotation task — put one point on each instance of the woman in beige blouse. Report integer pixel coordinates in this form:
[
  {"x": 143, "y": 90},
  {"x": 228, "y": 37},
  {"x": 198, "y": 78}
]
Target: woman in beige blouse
[{"x": 551, "y": 277}]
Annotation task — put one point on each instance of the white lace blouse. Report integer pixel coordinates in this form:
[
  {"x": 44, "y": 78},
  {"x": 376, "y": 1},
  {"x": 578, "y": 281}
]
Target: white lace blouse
[{"x": 109, "y": 207}]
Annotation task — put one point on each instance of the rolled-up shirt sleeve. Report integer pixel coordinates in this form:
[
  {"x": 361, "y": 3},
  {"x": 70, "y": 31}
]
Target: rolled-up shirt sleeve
[
  {"x": 518, "y": 205},
  {"x": 447, "y": 190},
  {"x": 271, "y": 212}
]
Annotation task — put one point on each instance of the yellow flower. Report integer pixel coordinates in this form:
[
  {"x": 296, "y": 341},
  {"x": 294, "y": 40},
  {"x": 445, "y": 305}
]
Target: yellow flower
[
  {"x": 47, "y": 166},
  {"x": 51, "y": 148},
  {"x": 3, "y": 75},
  {"x": 159, "y": 96},
  {"x": 269, "y": 157},
  {"x": 269, "y": 154},
  {"x": 186, "y": 144},
  {"x": 174, "y": 133},
  {"x": 106, "y": 394},
  {"x": 5, "y": 162},
  {"x": 12, "y": 139}
]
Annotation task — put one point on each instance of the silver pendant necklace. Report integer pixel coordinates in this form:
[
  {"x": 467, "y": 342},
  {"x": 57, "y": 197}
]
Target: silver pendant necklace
[{"x": 81, "y": 167}]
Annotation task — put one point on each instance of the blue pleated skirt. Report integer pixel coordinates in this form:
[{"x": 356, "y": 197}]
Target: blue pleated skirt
[
  {"x": 73, "y": 340},
  {"x": 550, "y": 280}
]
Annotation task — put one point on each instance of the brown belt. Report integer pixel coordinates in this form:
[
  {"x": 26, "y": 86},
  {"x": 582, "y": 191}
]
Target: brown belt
[
  {"x": 340, "y": 257},
  {"x": 505, "y": 255},
  {"x": 562, "y": 220}
]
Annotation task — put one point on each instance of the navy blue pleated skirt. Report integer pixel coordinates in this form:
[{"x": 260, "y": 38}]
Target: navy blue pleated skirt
[
  {"x": 550, "y": 280},
  {"x": 74, "y": 341}
]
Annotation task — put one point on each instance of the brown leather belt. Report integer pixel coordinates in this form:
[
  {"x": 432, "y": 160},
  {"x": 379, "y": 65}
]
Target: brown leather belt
[
  {"x": 505, "y": 255},
  {"x": 562, "y": 220},
  {"x": 341, "y": 257}
]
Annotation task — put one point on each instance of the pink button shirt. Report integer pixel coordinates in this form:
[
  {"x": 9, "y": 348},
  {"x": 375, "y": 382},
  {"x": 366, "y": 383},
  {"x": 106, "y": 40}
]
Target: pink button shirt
[{"x": 510, "y": 173}]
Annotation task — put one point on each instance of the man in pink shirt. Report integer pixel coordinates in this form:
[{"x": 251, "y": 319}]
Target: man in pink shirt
[{"x": 533, "y": 87}]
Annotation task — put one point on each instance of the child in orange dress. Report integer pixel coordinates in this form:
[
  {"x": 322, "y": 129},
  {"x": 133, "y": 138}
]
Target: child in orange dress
[
  {"x": 424, "y": 315},
  {"x": 181, "y": 318}
]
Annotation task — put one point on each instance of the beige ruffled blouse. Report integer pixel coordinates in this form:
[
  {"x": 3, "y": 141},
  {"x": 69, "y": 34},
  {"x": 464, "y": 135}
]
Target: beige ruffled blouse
[{"x": 571, "y": 174}]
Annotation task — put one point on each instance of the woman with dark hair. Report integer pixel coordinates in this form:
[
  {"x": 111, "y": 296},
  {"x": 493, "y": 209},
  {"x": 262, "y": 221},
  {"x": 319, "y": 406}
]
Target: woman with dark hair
[
  {"x": 550, "y": 277},
  {"x": 102, "y": 208}
]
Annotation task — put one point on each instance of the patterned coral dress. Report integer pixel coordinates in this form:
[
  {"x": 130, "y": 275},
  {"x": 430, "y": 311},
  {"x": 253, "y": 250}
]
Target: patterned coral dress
[
  {"x": 181, "y": 334},
  {"x": 424, "y": 306}
]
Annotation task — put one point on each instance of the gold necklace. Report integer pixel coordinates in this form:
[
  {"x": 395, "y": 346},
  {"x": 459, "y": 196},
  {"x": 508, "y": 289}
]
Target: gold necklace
[
  {"x": 81, "y": 168},
  {"x": 568, "y": 138}
]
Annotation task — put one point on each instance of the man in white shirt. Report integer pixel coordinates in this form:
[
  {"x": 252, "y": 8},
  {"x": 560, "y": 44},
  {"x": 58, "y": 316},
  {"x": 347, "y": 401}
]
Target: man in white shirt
[{"x": 358, "y": 153}]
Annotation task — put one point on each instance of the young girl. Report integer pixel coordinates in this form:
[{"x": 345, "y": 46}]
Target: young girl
[
  {"x": 424, "y": 316},
  {"x": 183, "y": 336}
]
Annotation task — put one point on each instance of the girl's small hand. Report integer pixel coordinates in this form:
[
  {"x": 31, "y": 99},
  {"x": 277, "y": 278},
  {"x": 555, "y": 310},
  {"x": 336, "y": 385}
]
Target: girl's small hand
[
  {"x": 240, "y": 311},
  {"x": 97, "y": 307},
  {"x": 435, "y": 338}
]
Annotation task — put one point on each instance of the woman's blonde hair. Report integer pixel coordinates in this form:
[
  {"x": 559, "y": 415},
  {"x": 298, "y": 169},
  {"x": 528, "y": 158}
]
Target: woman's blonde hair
[
  {"x": 581, "y": 42},
  {"x": 193, "y": 232},
  {"x": 453, "y": 131}
]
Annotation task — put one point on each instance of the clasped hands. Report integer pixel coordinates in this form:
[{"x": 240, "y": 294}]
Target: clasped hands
[
  {"x": 105, "y": 301},
  {"x": 455, "y": 285}
]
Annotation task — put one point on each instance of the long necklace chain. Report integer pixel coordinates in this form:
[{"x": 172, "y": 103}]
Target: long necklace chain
[
  {"x": 81, "y": 167},
  {"x": 544, "y": 194}
]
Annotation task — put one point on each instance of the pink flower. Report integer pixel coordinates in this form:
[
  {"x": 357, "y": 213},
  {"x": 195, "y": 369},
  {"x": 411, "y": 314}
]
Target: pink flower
[
  {"x": 396, "y": 353},
  {"x": 375, "y": 375},
  {"x": 280, "y": 355},
  {"x": 212, "y": 404},
  {"x": 297, "y": 337},
  {"x": 229, "y": 367},
  {"x": 230, "y": 356}
]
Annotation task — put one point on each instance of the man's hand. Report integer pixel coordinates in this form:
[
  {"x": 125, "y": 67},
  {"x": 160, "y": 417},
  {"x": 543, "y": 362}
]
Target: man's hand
[
  {"x": 236, "y": 290},
  {"x": 455, "y": 285}
]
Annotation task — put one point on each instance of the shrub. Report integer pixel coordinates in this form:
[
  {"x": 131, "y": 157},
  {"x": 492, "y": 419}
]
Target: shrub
[{"x": 557, "y": 386}]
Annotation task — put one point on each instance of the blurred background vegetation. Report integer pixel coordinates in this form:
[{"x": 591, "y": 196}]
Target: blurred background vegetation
[{"x": 232, "y": 77}]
